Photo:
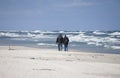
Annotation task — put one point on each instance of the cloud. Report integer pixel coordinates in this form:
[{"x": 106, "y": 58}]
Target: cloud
[{"x": 75, "y": 3}]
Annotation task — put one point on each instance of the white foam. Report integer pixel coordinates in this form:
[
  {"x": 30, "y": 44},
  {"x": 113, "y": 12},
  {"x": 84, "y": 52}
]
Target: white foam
[
  {"x": 98, "y": 33},
  {"x": 75, "y": 32},
  {"x": 115, "y": 47},
  {"x": 28, "y": 35},
  {"x": 43, "y": 36},
  {"x": 42, "y": 32},
  {"x": 46, "y": 44},
  {"x": 94, "y": 43},
  {"x": 111, "y": 40},
  {"x": 115, "y": 33},
  {"x": 84, "y": 38},
  {"x": 36, "y": 40},
  {"x": 89, "y": 43},
  {"x": 36, "y": 31},
  {"x": 61, "y": 31},
  {"x": 23, "y": 39},
  {"x": 112, "y": 47},
  {"x": 11, "y": 34},
  {"x": 77, "y": 38},
  {"x": 7, "y": 34},
  {"x": 94, "y": 40}
]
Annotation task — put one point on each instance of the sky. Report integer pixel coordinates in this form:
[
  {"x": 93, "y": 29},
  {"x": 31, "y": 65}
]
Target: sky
[{"x": 60, "y": 15}]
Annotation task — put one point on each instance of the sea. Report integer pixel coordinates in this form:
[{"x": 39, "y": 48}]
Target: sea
[{"x": 85, "y": 41}]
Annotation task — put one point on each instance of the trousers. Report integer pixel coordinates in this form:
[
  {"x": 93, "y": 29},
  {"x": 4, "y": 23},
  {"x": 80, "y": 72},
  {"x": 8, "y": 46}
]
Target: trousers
[{"x": 60, "y": 47}]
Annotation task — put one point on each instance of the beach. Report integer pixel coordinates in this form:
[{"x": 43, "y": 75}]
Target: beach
[
  {"x": 26, "y": 62},
  {"x": 86, "y": 33}
]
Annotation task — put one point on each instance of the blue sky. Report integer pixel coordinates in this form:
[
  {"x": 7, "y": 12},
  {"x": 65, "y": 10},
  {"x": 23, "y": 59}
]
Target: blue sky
[{"x": 60, "y": 15}]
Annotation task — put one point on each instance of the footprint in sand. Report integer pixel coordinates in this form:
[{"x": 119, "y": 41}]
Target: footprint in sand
[{"x": 45, "y": 69}]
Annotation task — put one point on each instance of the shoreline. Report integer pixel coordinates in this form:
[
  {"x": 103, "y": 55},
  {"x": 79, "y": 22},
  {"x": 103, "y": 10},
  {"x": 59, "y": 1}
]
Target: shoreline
[
  {"x": 101, "y": 56},
  {"x": 18, "y": 47}
]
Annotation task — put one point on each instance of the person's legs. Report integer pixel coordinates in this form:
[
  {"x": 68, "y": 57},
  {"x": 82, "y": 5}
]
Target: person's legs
[
  {"x": 60, "y": 47},
  {"x": 65, "y": 47}
]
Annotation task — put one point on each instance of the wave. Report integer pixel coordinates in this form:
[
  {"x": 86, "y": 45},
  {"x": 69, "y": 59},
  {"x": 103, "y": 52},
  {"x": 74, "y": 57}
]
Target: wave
[
  {"x": 112, "y": 47},
  {"x": 45, "y": 44},
  {"x": 9, "y": 34},
  {"x": 95, "y": 40},
  {"x": 107, "y": 39},
  {"x": 95, "y": 43},
  {"x": 99, "y": 33},
  {"x": 115, "y": 33},
  {"x": 24, "y": 35},
  {"x": 115, "y": 47},
  {"x": 19, "y": 39}
]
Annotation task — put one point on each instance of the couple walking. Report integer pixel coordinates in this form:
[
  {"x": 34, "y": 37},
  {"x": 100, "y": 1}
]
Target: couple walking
[{"x": 60, "y": 41}]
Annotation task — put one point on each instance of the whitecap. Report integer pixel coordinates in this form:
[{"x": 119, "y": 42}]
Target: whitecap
[
  {"x": 23, "y": 39},
  {"x": 112, "y": 40},
  {"x": 76, "y": 38},
  {"x": 94, "y": 43},
  {"x": 98, "y": 33},
  {"x": 45, "y": 44},
  {"x": 36, "y": 31},
  {"x": 61, "y": 31},
  {"x": 115, "y": 47},
  {"x": 115, "y": 33},
  {"x": 8, "y": 34}
]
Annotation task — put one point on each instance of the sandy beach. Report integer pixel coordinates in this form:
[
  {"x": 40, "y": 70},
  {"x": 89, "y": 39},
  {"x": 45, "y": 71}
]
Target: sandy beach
[{"x": 25, "y": 62}]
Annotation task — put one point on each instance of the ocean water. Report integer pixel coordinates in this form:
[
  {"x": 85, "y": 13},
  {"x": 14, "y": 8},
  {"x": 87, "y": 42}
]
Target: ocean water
[{"x": 87, "y": 41}]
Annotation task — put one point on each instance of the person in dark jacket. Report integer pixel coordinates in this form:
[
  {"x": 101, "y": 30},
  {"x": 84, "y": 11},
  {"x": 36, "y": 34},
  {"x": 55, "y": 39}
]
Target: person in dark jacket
[
  {"x": 59, "y": 41},
  {"x": 65, "y": 42}
]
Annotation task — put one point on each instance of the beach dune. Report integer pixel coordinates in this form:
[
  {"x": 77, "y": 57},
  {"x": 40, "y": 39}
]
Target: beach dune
[{"x": 24, "y": 62}]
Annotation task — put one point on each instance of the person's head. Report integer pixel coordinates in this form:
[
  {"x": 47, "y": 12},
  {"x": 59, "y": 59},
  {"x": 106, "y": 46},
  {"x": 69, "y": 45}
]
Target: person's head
[{"x": 60, "y": 34}]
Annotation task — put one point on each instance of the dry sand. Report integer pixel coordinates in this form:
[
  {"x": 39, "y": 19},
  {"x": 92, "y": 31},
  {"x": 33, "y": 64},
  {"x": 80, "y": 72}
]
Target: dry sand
[{"x": 23, "y": 62}]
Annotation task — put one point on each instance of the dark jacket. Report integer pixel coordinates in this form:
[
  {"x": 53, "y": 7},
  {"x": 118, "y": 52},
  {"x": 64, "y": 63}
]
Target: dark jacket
[
  {"x": 65, "y": 40},
  {"x": 59, "y": 40}
]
